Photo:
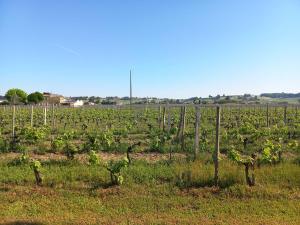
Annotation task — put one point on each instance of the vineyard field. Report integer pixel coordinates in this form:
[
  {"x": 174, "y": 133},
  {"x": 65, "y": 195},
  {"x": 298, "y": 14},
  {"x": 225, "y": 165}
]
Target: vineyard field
[{"x": 150, "y": 164}]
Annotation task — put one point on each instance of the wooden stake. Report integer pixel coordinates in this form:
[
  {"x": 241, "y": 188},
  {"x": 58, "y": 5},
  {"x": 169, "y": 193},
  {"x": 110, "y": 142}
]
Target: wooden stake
[
  {"x": 45, "y": 115},
  {"x": 180, "y": 124},
  {"x": 285, "y": 118},
  {"x": 53, "y": 116},
  {"x": 31, "y": 116},
  {"x": 164, "y": 119},
  {"x": 217, "y": 147},
  {"x": 169, "y": 119},
  {"x": 159, "y": 117},
  {"x": 13, "y": 122},
  {"x": 196, "y": 151},
  {"x": 183, "y": 128},
  {"x": 268, "y": 121}
]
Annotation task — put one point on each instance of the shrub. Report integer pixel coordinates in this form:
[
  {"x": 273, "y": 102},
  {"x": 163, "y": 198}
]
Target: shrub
[
  {"x": 33, "y": 135},
  {"x": 36, "y": 167},
  {"x": 115, "y": 167},
  {"x": 41, "y": 149},
  {"x": 94, "y": 159},
  {"x": 23, "y": 159},
  {"x": 70, "y": 150},
  {"x": 57, "y": 144}
]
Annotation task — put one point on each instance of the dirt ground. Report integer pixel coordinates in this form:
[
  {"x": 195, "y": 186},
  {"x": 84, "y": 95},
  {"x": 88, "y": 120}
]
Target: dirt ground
[{"x": 150, "y": 157}]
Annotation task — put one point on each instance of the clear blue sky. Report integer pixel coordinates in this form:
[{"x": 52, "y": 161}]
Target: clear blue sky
[{"x": 175, "y": 48}]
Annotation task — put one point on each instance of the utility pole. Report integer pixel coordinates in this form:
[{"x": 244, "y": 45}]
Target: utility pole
[{"x": 130, "y": 91}]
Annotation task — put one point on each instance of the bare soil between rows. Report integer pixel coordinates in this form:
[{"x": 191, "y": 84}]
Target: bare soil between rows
[{"x": 149, "y": 157}]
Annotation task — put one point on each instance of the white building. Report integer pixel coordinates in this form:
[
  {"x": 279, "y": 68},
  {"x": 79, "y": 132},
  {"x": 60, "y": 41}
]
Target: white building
[
  {"x": 73, "y": 103},
  {"x": 78, "y": 103}
]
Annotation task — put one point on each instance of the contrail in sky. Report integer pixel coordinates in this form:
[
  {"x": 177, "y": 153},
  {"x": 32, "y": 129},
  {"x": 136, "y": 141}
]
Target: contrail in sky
[{"x": 71, "y": 51}]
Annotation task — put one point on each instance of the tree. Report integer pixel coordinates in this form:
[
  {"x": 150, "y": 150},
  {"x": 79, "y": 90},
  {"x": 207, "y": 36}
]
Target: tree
[
  {"x": 35, "y": 97},
  {"x": 16, "y": 95}
]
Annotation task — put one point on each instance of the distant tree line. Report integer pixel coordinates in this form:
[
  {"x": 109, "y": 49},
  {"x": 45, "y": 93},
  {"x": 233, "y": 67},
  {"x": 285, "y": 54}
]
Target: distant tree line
[{"x": 280, "y": 95}]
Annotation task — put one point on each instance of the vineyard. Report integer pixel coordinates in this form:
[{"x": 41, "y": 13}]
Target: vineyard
[{"x": 150, "y": 164}]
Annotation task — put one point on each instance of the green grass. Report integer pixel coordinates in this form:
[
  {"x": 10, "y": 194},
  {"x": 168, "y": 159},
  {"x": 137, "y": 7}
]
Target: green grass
[{"x": 153, "y": 193}]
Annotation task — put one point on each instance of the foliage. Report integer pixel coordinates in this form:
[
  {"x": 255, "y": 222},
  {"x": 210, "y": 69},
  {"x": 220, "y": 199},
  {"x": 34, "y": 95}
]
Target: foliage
[
  {"x": 16, "y": 95},
  {"x": 271, "y": 152},
  {"x": 58, "y": 144},
  {"x": 36, "y": 165},
  {"x": 92, "y": 143},
  {"x": 115, "y": 167},
  {"x": 106, "y": 139},
  {"x": 70, "y": 150},
  {"x": 158, "y": 140},
  {"x": 33, "y": 135},
  {"x": 69, "y": 135},
  {"x": 35, "y": 97},
  {"x": 23, "y": 159},
  {"x": 4, "y": 145},
  {"x": 294, "y": 146},
  {"x": 235, "y": 156},
  {"x": 94, "y": 159}
]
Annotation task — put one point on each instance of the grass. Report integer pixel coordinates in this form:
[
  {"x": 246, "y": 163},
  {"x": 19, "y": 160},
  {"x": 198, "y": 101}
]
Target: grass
[{"x": 153, "y": 193}]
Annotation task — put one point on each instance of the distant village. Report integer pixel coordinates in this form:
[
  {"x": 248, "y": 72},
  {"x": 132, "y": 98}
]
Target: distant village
[{"x": 57, "y": 99}]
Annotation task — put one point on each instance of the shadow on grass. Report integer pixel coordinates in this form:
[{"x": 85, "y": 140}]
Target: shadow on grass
[
  {"x": 185, "y": 182},
  {"x": 22, "y": 223},
  {"x": 4, "y": 189},
  {"x": 104, "y": 185},
  {"x": 61, "y": 162}
]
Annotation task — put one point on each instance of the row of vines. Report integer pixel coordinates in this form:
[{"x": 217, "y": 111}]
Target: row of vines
[{"x": 249, "y": 135}]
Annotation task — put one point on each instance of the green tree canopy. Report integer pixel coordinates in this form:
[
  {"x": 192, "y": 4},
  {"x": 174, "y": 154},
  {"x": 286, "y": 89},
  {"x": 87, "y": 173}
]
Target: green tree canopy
[
  {"x": 35, "y": 97},
  {"x": 16, "y": 95}
]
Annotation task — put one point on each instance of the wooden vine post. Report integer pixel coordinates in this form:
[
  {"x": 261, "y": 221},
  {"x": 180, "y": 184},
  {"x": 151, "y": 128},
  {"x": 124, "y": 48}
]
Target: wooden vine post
[
  {"x": 13, "y": 122},
  {"x": 268, "y": 120},
  {"x": 169, "y": 119},
  {"x": 45, "y": 115},
  {"x": 164, "y": 119},
  {"x": 183, "y": 127},
  {"x": 168, "y": 130},
  {"x": 31, "y": 116},
  {"x": 217, "y": 147},
  {"x": 53, "y": 117},
  {"x": 284, "y": 116},
  {"x": 179, "y": 125},
  {"x": 159, "y": 117},
  {"x": 197, "y": 123}
]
